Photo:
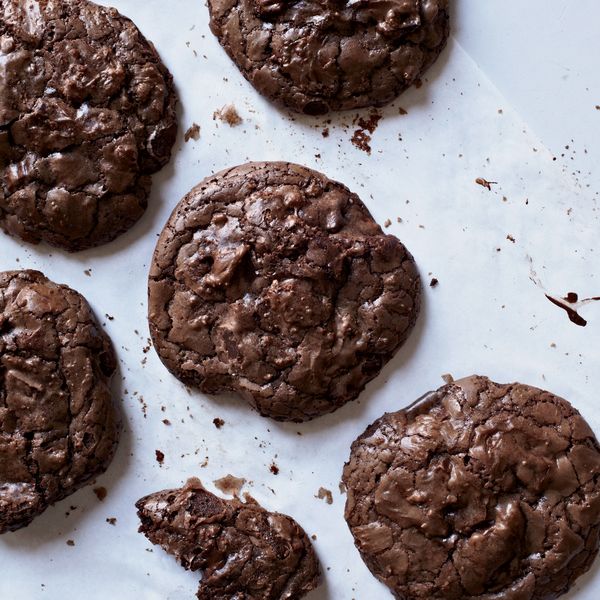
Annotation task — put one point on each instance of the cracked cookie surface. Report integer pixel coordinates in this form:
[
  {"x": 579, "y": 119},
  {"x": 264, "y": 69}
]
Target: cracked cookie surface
[
  {"x": 87, "y": 114},
  {"x": 478, "y": 491},
  {"x": 275, "y": 282},
  {"x": 243, "y": 550},
  {"x": 58, "y": 426},
  {"x": 319, "y": 55}
]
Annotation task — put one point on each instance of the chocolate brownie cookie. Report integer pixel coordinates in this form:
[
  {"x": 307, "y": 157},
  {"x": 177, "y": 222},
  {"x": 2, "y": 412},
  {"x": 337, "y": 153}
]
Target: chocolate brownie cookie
[
  {"x": 57, "y": 421},
  {"x": 319, "y": 55},
  {"x": 244, "y": 551},
  {"x": 87, "y": 113},
  {"x": 275, "y": 282},
  {"x": 479, "y": 490}
]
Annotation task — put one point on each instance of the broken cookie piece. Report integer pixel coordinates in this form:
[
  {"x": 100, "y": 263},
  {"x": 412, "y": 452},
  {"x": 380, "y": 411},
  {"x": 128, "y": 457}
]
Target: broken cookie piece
[{"x": 244, "y": 551}]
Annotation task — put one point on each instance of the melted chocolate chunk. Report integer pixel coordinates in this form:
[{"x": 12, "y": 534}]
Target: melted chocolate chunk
[
  {"x": 58, "y": 427},
  {"x": 319, "y": 55},
  {"x": 87, "y": 113},
  {"x": 480, "y": 490},
  {"x": 273, "y": 281},
  {"x": 243, "y": 550}
]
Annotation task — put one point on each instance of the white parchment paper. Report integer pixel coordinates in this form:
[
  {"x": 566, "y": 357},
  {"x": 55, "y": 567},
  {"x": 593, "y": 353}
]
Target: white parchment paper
[{"x": 485, "y": 316}]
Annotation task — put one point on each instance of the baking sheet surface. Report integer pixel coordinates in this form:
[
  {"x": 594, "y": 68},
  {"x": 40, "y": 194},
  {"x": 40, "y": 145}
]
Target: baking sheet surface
[{"x": 495, "y": 253}]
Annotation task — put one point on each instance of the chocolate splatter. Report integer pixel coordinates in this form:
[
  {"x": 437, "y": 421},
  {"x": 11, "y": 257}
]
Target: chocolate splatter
[{"x": 570, "y": 303}]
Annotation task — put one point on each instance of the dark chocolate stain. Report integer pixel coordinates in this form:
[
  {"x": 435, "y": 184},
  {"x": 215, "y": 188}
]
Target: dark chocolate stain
[{"x": 573, "y": 315}]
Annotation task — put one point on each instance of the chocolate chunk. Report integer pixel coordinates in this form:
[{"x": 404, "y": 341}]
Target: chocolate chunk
[
  {"x": 58, "y": 427},
  {"x": 319, "y": 55},
  {"x": 273, "y": 281},
  {"x": 479, "y": 490},
  {"x": 87, "y": 114},
  {"x": 243, "y": 550}
]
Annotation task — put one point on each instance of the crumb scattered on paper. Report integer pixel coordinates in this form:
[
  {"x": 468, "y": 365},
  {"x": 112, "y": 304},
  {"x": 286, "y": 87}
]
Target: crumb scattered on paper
[
  {"x": 160, "y": 457},
  {"x": 228, "y": 114},
  {"x": 193, "y": 133},
  {"x": 325, "y": 494},
  {"x": 100, "y": 493},
  {"x": 485, "y": 183},
  {"x": 218, "y": 423},
  {"x": 361, "y": 137},
  {"x": 433, "y": 282},
  {"x": 230, "y": 484},
  {"x": 274, "y": 469}
]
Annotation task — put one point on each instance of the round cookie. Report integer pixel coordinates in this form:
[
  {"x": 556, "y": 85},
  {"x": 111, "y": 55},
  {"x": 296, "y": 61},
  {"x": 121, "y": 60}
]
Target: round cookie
[
  {"x": 319, "y": 55},
  {"x": 58, "y": 427},
  {"x": 275, "y": 282},
  {"x": 87, "y": 114},
  {"x": 478, "y": 490}
]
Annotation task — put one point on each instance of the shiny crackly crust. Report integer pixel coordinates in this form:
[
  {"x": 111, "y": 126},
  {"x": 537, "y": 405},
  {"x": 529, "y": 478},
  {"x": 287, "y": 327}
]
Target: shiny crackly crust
[
  {"x": 480, "y": 491},
  {"x": 273, "y": 281},
  {"x": 87, "y": 114},
  {"x": 58, "y": 426},
  {"x": 243, "y": 550},
  {"x": 319, "y": 55}
]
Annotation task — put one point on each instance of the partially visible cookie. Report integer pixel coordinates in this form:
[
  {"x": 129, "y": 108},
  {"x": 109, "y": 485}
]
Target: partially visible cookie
[
  {"x": 275, "y": 282},
  {"x": 479, "y": 490},
  {"x": 319, "y": 55},
  {"x": 58, "y": 425},
  {"x": 243, "y": 550},
  {"x": 87, "y": 114}
]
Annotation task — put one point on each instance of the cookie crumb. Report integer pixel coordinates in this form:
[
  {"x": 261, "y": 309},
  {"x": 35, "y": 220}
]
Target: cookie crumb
[
  {"x": 485, "y": 183},
  {"x": 274, "y": 469},
  {"x": 193, "y": 133},
  {"x": 228, "y": 114},
  {"x": 70, "y": 543},
  {"x": 361, "y": 137},
  {"x": 111, "y": 520},
  {"x": 402, "y": 111},
  {"x": 230, "y": 485},
  {"x": 387, "y": 223},
  {"x": 433, "y": 282},
  {"x": 100, "y": 493},
  {"x": 88, "y": 272},
  {"x": 510, "y": 238},
  {"x": 166, "y": 422},
  {"x": 160, "y": 457},
  {"x": 218, "y": 423},
  {"x": 325, "y": 132},
  {"x": 325, "y": 494}
]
